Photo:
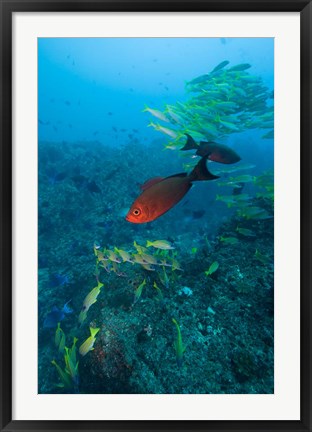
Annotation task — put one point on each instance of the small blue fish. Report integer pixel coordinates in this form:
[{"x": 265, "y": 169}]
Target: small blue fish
[
  {"x": 56, "y": 315},
  {"x": 55, "y": 177}
]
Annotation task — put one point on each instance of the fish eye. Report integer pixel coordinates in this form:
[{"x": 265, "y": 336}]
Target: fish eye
[{"x": 136, "y": 212}]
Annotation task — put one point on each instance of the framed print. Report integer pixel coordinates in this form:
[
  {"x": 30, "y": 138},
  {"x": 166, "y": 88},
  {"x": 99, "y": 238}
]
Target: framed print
[{"x": 155, "y": 206}]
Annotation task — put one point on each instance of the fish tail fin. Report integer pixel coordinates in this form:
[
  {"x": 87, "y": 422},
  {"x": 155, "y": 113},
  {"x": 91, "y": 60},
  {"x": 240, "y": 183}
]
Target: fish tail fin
[
  {"x": 66, "y": 308},
  {"x": 145, "y": 108},
  {"x": 149, "y": 243},
  {"x": 201, "y": 172},
  {"x": 190, "y": 144},
  {"x": 94, "y": 331}
]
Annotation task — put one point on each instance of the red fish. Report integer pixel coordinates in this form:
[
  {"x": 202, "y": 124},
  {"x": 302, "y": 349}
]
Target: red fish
[
  {"x": 214, "y": 151},
  {"x": 161, "y": 194}
]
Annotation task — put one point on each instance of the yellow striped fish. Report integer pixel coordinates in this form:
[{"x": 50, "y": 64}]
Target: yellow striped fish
[{"x": 88, "y": 343}]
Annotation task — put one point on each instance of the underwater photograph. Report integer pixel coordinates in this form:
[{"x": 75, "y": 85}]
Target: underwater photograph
[{"x": 155, "y": 215}]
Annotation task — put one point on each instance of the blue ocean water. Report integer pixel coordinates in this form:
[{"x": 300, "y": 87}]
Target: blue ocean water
[{"x": 194, "y": 311}]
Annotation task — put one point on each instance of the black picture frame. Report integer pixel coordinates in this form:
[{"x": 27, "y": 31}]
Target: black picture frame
[{"x": 7, "y": 8}]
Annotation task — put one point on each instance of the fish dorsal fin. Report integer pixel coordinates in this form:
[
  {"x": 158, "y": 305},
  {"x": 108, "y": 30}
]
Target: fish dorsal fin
[
  {"x": 190, "y": 144},
  {"x": 151, "y": 182}
]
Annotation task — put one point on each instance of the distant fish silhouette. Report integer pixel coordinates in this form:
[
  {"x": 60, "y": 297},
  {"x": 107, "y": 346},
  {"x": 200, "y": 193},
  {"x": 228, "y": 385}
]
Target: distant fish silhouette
[
  {"x": 79, "y": 180},
  {"x": 93, "y": 187},
  {"x": 60, "y": 176},
  {"x": 43, "y": 123},
  {"x": 57, "y": 279},
  {"x": 55, "y": 177},
  {"x": 198, "y": 214},
  {"x": 56, "y": 315}
]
